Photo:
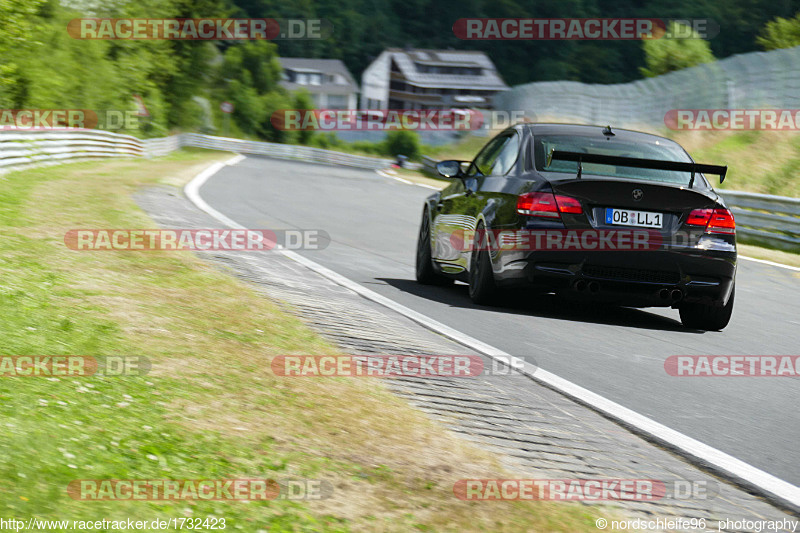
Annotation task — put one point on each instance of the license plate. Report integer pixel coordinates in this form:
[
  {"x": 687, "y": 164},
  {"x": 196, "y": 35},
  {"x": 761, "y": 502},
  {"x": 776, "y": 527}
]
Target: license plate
[{"x": 626, "y": 217}]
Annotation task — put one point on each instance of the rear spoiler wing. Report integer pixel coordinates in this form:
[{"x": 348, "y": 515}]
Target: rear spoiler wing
[{"x": 655, "y": 164}]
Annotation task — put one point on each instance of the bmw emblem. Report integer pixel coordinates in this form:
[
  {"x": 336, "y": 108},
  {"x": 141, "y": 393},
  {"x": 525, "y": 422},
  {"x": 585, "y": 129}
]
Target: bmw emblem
[{"x": 638, "y": 194}]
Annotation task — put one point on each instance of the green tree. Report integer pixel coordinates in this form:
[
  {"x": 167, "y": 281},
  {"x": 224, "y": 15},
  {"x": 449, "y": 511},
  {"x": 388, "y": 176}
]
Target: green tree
[
  {"x": 668, "y": 54},
  {"x": 780, "y": 33},
  {"x": 270, "y": 103},
  {"x": 248, "y": 77},
  {"x": 403, "y": 142},
  {"x": 302, "y": 100},
  {"x": 63, "y": 72},
  {"x": 18, "y": 26}
]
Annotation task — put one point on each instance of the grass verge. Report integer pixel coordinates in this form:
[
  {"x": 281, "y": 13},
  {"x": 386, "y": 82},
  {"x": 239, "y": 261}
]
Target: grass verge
[
  {"x": 758, "y": 161},
  {"x": 210, "y": 408}
]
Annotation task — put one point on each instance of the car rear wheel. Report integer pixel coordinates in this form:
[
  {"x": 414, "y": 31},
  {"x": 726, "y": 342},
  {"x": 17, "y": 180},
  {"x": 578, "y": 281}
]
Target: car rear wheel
[
  {"x": 707, "y": 317},
  {"x": 426, "y": 275},
  {"x": 482, "y": 288}
]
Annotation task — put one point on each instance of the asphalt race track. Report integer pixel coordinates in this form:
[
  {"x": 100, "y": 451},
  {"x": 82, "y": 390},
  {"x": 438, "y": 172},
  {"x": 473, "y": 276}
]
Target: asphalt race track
[{"x": 618, "y": 353}]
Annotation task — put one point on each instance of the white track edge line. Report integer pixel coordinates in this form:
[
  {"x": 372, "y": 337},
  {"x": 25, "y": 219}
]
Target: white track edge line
[
  {"x": 236, "y": 159},
  {"x": 784, "y": 492},
  {"x": 771, "y": 263},
  {"x": 407, "y": 182}
]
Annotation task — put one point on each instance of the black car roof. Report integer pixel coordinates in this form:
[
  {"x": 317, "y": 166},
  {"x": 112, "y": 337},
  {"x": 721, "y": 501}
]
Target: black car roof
[{"x": 580, "y": 130}]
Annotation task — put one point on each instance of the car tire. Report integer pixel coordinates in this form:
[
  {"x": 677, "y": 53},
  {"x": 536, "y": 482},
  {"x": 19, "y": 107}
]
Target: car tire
[
  {"x": 707, "y": 317},
  {"x": 482, "y": 288},
  {"x": 426, "y": 275}
]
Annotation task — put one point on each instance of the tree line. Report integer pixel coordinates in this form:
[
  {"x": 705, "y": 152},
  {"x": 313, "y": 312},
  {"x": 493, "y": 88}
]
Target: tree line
[{"x": 182, "y": 83}]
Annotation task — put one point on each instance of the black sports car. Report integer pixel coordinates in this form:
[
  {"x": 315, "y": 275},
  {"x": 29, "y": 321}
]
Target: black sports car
[{"x": 584, "y": 211}]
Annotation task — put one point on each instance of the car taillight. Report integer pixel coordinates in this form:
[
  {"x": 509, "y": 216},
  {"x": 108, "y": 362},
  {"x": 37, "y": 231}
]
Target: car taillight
[
  {"x": 538, "y": 204},
  {"x": 569, "y": 205},
  {"x": 699, "y": 217},
  {"x": 719, "y": 220},
  {"x": 547, "y": 204}
]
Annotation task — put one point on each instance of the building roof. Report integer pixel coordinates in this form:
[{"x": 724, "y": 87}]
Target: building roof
[
  {"x": 325, "y": 66},
  {"x": 488, "y": 79}
]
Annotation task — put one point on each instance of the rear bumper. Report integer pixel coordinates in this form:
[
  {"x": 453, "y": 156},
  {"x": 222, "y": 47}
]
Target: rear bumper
[{"x": 634, "y": 278}]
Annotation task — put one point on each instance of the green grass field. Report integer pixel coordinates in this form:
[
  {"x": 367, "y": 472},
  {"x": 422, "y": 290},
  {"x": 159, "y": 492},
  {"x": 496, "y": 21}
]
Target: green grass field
[
  {"x": 210, "y": 408},
  {"x": 758, "y": 161}
]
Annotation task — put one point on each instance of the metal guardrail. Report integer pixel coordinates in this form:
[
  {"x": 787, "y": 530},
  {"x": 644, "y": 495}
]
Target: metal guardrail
[
  {"x": 163, "y": 145},
  {"x": 38, "y": 148},
  {"x": 766, "y": 219},
  {"x": 284, "y": 151},
  {"x": 23, "y": 149},
  {"x": 429, "y": 166}
]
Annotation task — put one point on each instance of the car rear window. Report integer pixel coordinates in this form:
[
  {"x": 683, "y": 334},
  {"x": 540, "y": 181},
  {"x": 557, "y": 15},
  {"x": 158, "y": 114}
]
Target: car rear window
[{"x": 664, "y": 150}]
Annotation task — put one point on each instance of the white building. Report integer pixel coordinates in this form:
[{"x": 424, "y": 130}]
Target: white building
[
  {"x": 430, "y": 79},
  {"x": 328, "y": 80}
]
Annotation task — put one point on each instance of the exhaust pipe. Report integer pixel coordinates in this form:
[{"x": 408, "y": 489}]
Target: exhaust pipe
[
  {"x": 663, "y": 294},
  {"x": 676, "y": 295},
  {"x": 593, "y": 286},
  {"x": 580, "y": 285}
]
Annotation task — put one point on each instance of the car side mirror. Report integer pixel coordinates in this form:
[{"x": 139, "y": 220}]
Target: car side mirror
[{"x": 449, "y": 168}]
